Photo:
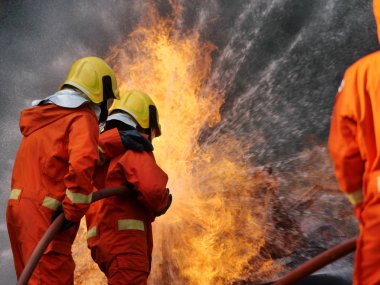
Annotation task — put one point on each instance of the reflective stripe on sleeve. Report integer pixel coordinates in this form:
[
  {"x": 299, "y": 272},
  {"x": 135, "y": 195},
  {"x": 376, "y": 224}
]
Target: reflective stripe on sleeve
[
  {"x": 79, "y": 198},
  {"x": 15, "y": 193},
  {"x": 355, "y": 197},
  {"x": 51, "y": 203},
  {"x": 91, "y": 232},
  {"x": 130, "y": 225}
]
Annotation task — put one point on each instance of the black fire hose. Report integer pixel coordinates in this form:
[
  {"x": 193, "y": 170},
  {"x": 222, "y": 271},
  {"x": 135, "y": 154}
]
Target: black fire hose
[
  {"x": 318, "y": 262},
  {"x": 54, "y": 229}
]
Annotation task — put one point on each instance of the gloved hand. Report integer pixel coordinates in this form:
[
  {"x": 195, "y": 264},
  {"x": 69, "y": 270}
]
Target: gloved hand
[
  {"x": 170, "y": 199},
  {"x": 133, "y": 140},
  {"x": 66, "y": 223}
]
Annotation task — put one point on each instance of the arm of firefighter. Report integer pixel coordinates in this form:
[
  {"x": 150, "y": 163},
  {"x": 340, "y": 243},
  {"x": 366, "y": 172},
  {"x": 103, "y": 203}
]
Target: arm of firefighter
[
  {"x": 141, "y": 170},
  {"x": 110, "y": 145},
  {"x": 343, "y": 144},
  {"x": 99, "y": 177},
  {"x": 83, "y": 156}
]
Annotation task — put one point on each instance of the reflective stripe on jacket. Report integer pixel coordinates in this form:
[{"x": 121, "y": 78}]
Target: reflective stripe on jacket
[{"x": 355, "y": 128}]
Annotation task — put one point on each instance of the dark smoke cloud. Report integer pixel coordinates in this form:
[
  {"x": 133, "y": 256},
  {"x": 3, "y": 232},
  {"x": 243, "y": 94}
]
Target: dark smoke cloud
[{"x": 280, "y": 62}]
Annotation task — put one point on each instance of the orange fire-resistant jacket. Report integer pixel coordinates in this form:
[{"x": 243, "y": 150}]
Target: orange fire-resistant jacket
[
  {"x": 54, "y": 166},
  {"x": 57, "y": 158},
  {"x": 120, "y": 227},
  {"x": 355, "y": 127}
]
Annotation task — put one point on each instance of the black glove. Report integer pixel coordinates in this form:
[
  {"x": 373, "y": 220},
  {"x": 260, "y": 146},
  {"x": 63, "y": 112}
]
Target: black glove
[
  {"x": 133, "y": 140},
  {"x": 66, "y": 223},
  {"x": 170, "y": 199}
]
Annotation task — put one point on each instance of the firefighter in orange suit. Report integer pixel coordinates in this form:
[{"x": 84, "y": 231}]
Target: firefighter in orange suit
[
  {"x": 119, "y": 228},
  {"x": 354, "y": 145},
  {"x": 54, "y": 167}
]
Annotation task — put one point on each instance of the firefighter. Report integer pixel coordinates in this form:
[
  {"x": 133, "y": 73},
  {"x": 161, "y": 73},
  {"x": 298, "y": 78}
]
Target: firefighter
[
  {"x": 119, "y": 228},
  {"x": 354, "y": 144},
  {"x": 54, "y": 166}
]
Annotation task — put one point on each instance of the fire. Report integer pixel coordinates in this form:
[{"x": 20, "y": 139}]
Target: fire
[{"x": 214, "y": 231}]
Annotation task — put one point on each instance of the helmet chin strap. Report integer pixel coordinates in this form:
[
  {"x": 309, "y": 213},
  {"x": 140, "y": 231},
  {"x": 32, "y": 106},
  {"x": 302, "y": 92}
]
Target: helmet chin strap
[
  {"x": 107, "y": 94},
  {"x": 103, "y": 112}
]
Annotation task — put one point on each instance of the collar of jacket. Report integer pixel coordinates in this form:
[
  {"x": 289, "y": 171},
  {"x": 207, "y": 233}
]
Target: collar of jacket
[
  {"x": 69, "y": 98},
  {"x": 123, "y": 117}
]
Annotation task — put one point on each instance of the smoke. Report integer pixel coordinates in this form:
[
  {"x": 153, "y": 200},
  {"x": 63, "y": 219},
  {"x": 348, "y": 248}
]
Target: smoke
[{"x": 279, "y": 62}]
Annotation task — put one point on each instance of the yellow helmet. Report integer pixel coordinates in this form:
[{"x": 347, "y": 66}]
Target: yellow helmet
[
  {"x": 94, "y": 77},
  {"x": 142, "y": 108}
]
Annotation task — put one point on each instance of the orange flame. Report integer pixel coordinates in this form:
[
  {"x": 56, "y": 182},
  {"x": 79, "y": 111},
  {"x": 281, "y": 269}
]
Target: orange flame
[{"x": 214, "y": 230}]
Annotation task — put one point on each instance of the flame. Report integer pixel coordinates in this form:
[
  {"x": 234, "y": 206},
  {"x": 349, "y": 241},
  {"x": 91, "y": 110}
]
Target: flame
[{"x": 214, "y": 231}]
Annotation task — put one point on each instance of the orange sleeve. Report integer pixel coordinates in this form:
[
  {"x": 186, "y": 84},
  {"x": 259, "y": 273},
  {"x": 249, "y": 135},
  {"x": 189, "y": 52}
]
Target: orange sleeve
[
  {"x": 83, "y": 155},
  {"x": 343, "y": 142},
  {"x": 100, "y": 174},
  {"x": 141, "y": 170},
  {"x": 110, "y": 145}
]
